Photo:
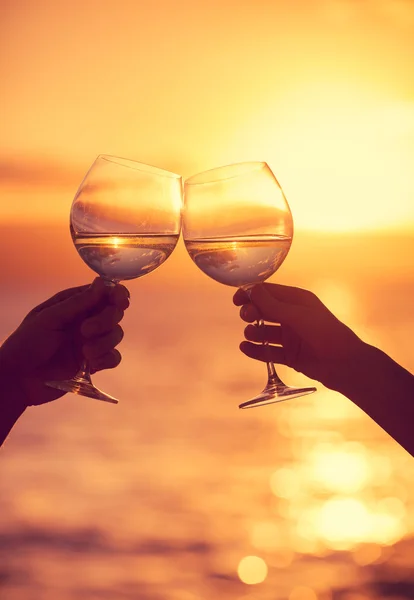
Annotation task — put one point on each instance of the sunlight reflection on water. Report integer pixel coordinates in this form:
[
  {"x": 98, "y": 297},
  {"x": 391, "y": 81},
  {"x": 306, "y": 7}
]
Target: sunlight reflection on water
[{"x": 177, "y": 494}]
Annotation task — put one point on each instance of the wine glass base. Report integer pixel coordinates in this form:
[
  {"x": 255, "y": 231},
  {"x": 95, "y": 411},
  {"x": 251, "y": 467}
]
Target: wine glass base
[
  {"x": 82, "y": 387},
  {"x": 276, "y": 393}
]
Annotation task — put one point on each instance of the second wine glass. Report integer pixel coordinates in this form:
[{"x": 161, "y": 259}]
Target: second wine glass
[
  {"x": 125, "y": 222},
  {"x": 238, "y": 229}
]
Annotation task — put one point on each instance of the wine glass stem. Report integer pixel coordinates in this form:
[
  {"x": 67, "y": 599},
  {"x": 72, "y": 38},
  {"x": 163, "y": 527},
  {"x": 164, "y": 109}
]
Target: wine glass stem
[
  {"x": 84, "y": 373},
  {"x": 272, "y": 377}
]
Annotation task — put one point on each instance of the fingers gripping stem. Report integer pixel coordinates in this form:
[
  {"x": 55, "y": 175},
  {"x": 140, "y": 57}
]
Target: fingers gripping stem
[{"x": 273, "y": 377}]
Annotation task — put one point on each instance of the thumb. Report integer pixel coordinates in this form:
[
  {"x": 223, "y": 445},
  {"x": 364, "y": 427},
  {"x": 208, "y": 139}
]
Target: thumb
[
  {"x": 270, "y": 308},
  {"x": 65, "y": 312}
]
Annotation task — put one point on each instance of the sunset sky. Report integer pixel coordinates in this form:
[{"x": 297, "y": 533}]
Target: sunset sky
[
  {"x": 323, "y": 90},
  {"x": 174, "y": 492}
]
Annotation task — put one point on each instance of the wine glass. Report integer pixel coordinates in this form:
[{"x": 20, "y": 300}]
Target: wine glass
[
  {"x": 238, "y": 229},
  {"x": 125, "y": 222}
]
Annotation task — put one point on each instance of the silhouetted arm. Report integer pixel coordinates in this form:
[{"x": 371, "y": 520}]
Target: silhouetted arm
[
  {"x": 12, "y": 405},
  {"x": 310, "y": 339},
  {"x": 52, "y": 342},
  {"x": 384, "y": 390}
]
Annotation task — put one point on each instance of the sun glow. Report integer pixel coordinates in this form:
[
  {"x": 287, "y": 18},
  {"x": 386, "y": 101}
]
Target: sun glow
[{"x": 342, "y": 155}]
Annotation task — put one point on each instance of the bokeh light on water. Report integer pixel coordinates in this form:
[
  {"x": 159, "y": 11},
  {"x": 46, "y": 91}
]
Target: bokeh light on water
[
  {"x": 339, "y": 468},
  {"x": 176, "y": 494},
  {"x": 252, "y": 570},
  {"x": 327, "y": 496},
  {"x": 303, "y": 593}
]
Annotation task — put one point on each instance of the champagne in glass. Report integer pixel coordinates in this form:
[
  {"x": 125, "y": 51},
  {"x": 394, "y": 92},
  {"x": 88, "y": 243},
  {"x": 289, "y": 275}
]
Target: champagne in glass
[
  {"x": 125, "y": 222},
  {"x": 238, "y": 229}
]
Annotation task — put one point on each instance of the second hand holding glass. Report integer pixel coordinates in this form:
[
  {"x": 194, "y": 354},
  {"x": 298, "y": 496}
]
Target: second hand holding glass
[
  {"x": 238, "y": 229},
  {"x": 125, "y": 222}
]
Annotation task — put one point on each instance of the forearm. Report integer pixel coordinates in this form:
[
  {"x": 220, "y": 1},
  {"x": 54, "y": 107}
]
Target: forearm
[
  {"x": 385, "y": 391},
  {"x": 10, "y": 411},
  {"x": 12, "y": 403}
]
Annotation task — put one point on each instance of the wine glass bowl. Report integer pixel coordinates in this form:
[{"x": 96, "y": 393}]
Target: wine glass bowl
[
  {"x": 125, "y": 221},
  {"x": 238, "y": 229},
  {"x": 126, "y": 217}
]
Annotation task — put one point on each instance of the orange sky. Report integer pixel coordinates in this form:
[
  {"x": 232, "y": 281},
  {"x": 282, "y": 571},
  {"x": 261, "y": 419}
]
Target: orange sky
[{"x": 323, "y": 90}]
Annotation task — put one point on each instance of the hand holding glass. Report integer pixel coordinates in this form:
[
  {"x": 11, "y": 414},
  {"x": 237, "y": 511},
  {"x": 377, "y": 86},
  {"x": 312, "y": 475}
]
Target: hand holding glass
[
  {"x": 125, "y": 222},
  {"x": 238, "y": 229}
]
